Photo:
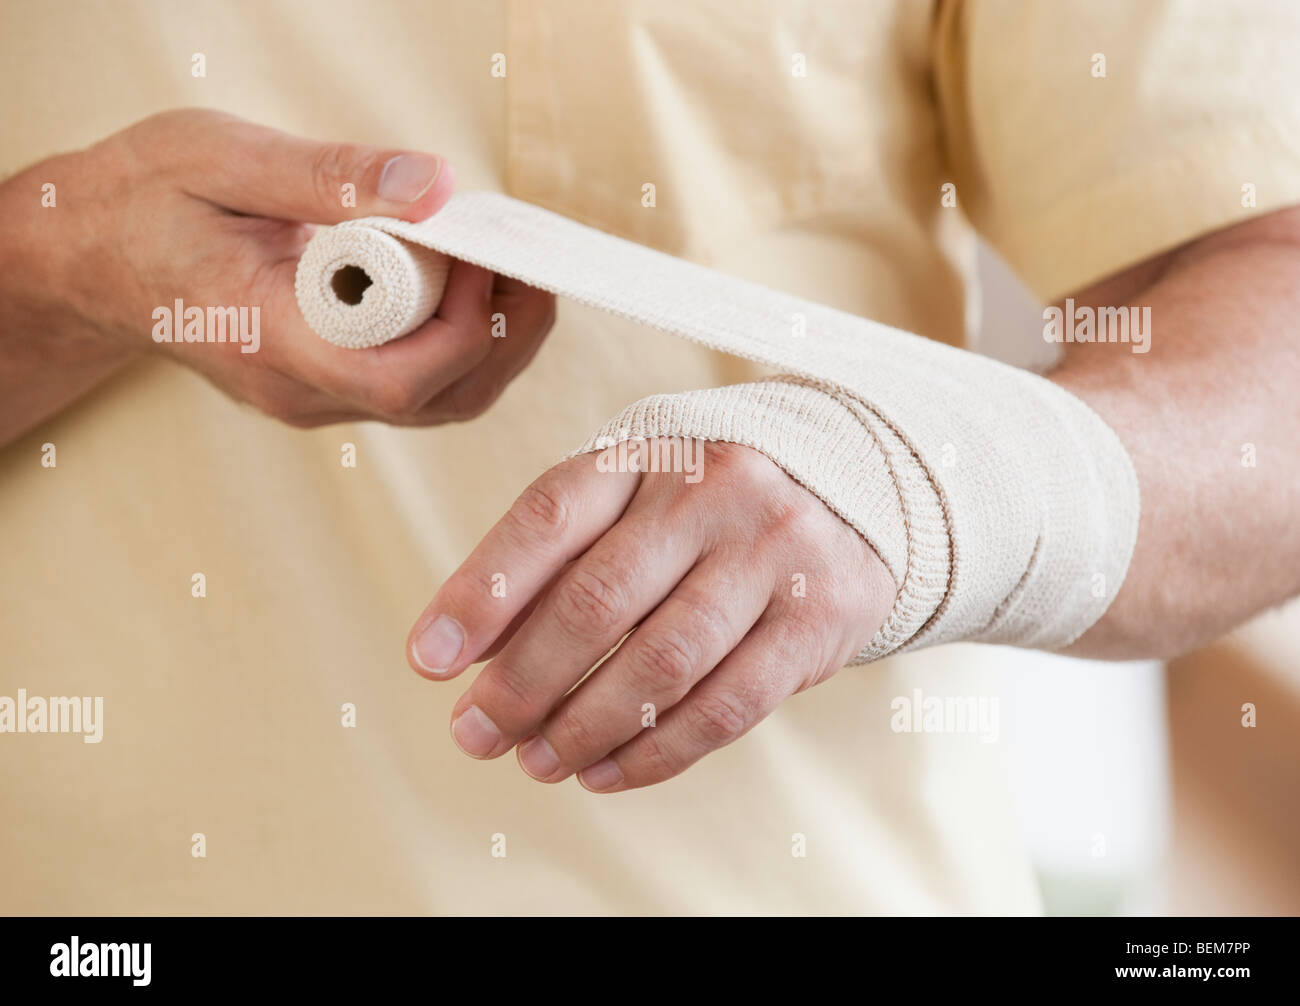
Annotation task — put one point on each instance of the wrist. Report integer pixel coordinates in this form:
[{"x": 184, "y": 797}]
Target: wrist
[
  {"x": 53, "y": 271},
  {"x": 52, "y": 347}
]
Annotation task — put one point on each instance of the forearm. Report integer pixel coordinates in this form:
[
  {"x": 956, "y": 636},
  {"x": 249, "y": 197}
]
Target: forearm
[{"x": 1210, "y": 418}]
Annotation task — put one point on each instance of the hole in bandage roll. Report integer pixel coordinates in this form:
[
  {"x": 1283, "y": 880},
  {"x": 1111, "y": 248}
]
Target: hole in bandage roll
[{"x": 350, "y": 284}]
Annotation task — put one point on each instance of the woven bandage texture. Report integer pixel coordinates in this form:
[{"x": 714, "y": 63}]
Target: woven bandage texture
[{"x": 1005, "y": 508}]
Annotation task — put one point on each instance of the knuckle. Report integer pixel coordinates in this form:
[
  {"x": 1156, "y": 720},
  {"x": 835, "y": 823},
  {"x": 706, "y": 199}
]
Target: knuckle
[
  {"x": 704, "y": 609},
  {"x": 332, "y": 165},
  {"x": 590, "y": 602},
  {"x": 665, "y": 661},
  {"x": 507, "y": 698},
  {"x": 795, "y": 517},
  {"x": 719, "y": 718},
  {"x": 395, "y": 398},
  {"x": 572, "y": 735},
  {"x": 792, "y": 526},
  {"x": 655, "y": 762},
  {"x": 740, "y": 464},
  {"x": 472, "y": 400},
  {"x": 184, "y": 122},
  {"x": 542, "y": 510},
  {"x": 806, "y": 626}
]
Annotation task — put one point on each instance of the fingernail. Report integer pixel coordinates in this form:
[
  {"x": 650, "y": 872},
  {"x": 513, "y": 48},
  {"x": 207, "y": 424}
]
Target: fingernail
[
  {"x": 407, "y": 177},
  {"x": 538, "y": 758},
  {"x": 603, "y": 775},
  {"x": 437, "y": 647},
  {"x": 475, "y": 733}
]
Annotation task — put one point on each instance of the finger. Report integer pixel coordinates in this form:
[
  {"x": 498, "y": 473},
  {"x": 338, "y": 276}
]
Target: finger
[
  {"x": 498, "y": 644},
  {"x": 695, "y": 627},
  {"x": 257, "y": 170},
  {"x": 621, "y": 579},
  {"x": 399, "y": 378},
  {"x": 274, "y": 393},
  {"x": 526, "y": 315},
  {"x": 756, "y": 677},
  {"x": 554, "y": 520}
]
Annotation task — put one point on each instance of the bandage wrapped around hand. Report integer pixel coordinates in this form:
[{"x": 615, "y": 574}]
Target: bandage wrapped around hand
[{"x": 1004, "y": 507}]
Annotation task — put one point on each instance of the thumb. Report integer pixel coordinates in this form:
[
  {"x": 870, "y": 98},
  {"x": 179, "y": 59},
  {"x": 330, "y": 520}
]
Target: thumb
[{"x": 260, "y": 171}]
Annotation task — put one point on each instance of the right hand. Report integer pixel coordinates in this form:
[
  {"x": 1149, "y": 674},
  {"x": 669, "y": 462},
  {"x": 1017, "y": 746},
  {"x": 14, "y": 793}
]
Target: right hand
[{"x": 208, "y": 208}]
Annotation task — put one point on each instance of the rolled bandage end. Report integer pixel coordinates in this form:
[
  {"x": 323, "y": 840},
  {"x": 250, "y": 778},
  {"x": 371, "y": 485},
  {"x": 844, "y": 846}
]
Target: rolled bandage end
[{"x": 359, "y": 287}]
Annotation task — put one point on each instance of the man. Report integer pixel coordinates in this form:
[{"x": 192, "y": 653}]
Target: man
[{"x": 235, "y": 589}]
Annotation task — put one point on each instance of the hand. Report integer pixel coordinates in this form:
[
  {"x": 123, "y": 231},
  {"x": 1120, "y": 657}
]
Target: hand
[
  {"x": 207, "y": 208},
  {"x": 705, "y": 576}
]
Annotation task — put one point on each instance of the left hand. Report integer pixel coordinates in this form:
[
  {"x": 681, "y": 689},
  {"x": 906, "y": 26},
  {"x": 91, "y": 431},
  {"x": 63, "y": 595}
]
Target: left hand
[{"x": 705, "y": 575}]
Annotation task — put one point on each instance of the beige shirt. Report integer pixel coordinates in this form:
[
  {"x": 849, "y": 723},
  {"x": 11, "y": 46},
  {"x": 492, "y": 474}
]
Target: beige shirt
[{"x": 224, "y": 716}]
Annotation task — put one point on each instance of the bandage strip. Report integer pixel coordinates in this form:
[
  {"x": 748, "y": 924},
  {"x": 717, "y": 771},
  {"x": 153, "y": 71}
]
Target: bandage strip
[{"x": 1004, "y": 507}]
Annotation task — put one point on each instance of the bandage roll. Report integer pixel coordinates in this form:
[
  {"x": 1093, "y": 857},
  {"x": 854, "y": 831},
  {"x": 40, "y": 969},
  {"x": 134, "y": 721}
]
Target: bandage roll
[{"x": 360, "y": 287}]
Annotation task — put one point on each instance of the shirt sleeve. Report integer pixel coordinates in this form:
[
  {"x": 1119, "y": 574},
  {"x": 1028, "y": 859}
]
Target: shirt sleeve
[{"x": 1087, "y": 136}]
